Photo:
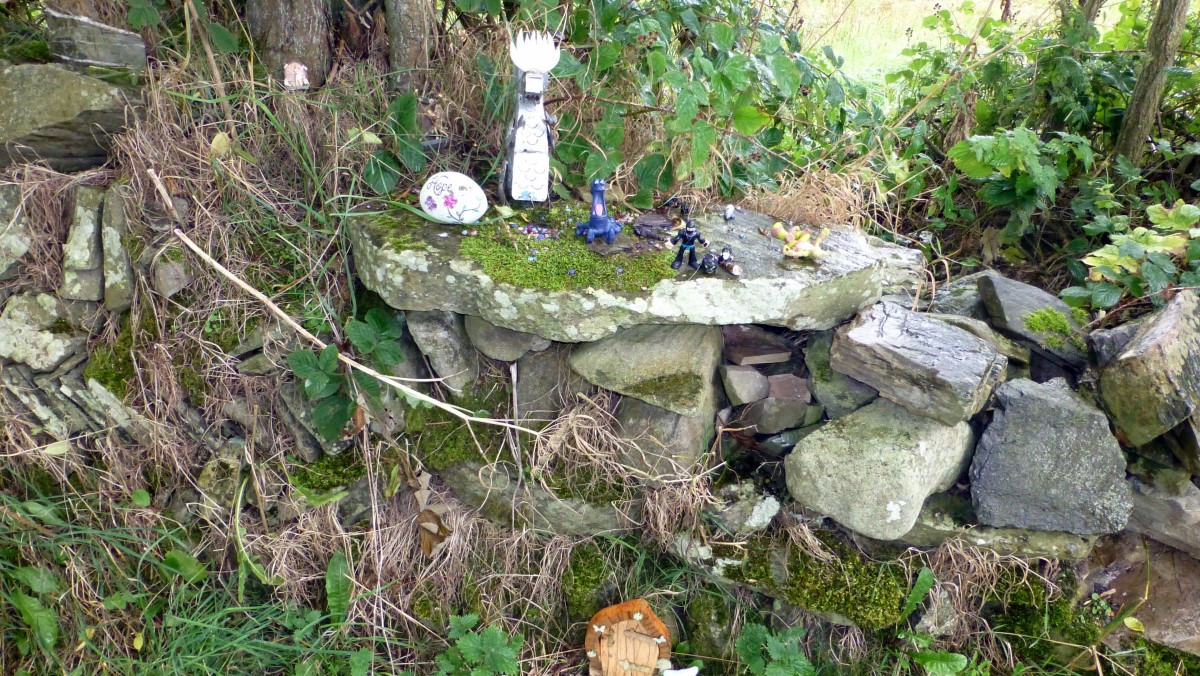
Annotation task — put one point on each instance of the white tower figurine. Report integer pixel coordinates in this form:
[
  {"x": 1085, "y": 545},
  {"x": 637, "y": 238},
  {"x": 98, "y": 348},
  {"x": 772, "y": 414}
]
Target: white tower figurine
[{"x": 527, "y": 175}]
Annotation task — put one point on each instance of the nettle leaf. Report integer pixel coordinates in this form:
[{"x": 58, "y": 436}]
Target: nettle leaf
[
  {"x": 331, "y": 415},
  {"x": 361, "y": 661},
  {"x": 182, "y": 564},
  {"x": 362, "y": 335},
  {"x": 337, "y": 587},
  {"x": 382, "y": 172},
  {"x": 42, "y": 621},
  {"x": 224, "y": 41},
  {"x": 749, "y": 119},
  {"x": 461, "y": 624},
  {"x": 39, "y": 580},
  {"x": 304, "y": 364}
]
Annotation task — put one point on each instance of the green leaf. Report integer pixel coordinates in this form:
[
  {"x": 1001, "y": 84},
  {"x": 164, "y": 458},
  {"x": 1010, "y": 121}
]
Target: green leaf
[
  {"x": 369, "y": 385},
  {"x": 304, "y": 364},
  {"x": 920, "y": 590},
  {"x": 608, "y": 54},
  {"x": 787, "y": 76},
  {"x": 749, "y": 647},
  {"x": 1134, "y": 624},
  {"x": 224, "y": 41},
  {"x": 1105, "y": 294},
  {"x": 39, "y": 580},
  {"x": 460, "y": 625},
  {"x": 937, "y": 663},
  {"x": 1076, "y": 296},
  {"x": 322, "y": 385},
  {"x": 327, "y": 361},
  {"x": 118, "y": 600},
  {"x": 1182, "y": 216},
  {"x": 402, "y": 115},
  {"x": 142, "y": 15},
  {"x": 361, "y": 661},
  {"x": 968, "y": 162},
  {"x": 317, "y": 499},
  {"x": 331, "y": 415},
  {"x": 42, "y": 621},
  {"x": 412, "y": 156},
  {"x": 180, "y": 563},
  {"x": 722, "y": 36},
  {"x": 382, "y": 172},
  {"x": 140, "y": 498},
  {"x": 1156, "y": 278},
  {"x": 362, "y": 335},
  {"x": 385, "y": 322},
  {"x": 610, "y": 130},
  {"x": 834, "y": 93},
  {"x": 389, "y": 353},
  {"x": 749, "y": 119},
  {"x": 653, "y": 173},
  {"x": 704, "y": 140},
  {"x": 338, "y": 582}
]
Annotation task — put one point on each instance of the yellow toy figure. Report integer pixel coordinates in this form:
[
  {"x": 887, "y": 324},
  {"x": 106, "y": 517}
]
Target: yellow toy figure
[{"x": 798, "y": 242}]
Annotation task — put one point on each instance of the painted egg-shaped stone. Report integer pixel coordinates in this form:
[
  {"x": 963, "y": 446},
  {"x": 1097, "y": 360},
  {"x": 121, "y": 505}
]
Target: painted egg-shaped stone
[{"x": 451, "y": 197}]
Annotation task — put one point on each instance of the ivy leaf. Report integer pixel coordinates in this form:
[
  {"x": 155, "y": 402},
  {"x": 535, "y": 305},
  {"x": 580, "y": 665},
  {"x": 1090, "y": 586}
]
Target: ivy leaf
[
  {"x": 224, "y": 41},
  {"x": 39, "y": 580},
  {"x": 180, "y": 563},
  {"x": 331, "y": 415},
  {"x": 337, "y": 587},
  {"x": 42, "y": 621},
  {"x": 749, "y": 119},
  {"x": 304, "y": 364},
  {"x": 382, "y": 172},
  {"x": 362, "y": 335}
]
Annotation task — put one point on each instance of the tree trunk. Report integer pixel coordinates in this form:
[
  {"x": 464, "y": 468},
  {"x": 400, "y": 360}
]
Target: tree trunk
[
  {"x": 410, "y": 25},
  {"x": 1161, "y": 45},
  {"x": 291, "y": 30},
  {"x": 1091, "y": 9}
]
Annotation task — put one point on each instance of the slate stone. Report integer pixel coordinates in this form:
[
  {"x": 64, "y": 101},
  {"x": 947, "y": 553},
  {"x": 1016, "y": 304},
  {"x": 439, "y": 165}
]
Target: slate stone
[
  {"x": 443, "y": 340},
  {"x": 87, "y": 42},
  {"x": 546, "y": 383},
  {"x": 925, "y": 365},
  {"x": 669, "y": 366},
  {"x": 1108, "y": 344},
  {"x": 742, "y": 508},
  {"x": 771, "y": 415},
  {"x": 33, "y": 331},
  {"x": 1017, "y": 354},
  {"x": 1009, "y": 304},
  {"x": 788, "y": 386},
  {"x": 1172, "y": 519},
  {"x": 871, "y": 470},
  {"x": 64, "y": 118},
  {"x": 743, "y": 384},
  {"x": 947, "y": 517},
  {"x": 168, "y": 277},
  {"x": 779, "y": 444},
  {"x": 840, "y": 394},
  {"x": 118, "y": 270},
  {"x": 663, "y": 443},
  {"x": 1155, "y": 383},
  {"x": 15, "y": 238},
  {"x": 795, "y": 294},
  {"x": 1048, "y": 461},
  {"x": 961, "y": 297},
  {"x": 751, "y": 345},
  {"x": 82, "y": 263},
  {"x": 500, "y": 343}
]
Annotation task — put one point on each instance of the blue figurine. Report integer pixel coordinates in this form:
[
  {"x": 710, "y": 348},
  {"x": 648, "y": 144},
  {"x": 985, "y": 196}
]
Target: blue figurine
[
  {"x": 687, "y": 239},
  {"x": 599, "y": 224}
]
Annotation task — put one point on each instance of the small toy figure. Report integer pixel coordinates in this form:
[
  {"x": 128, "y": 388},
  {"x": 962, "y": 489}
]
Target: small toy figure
[
  {"x": 687, "y": 239},
  {"x": 725, "y": 260},
  {"x": 600, "y": 224},
  {"x": 729, "y": 213},
  {"x": 799, "y": 242},
  {"x": 527, "y": 171},
  {"x": 709, "y": 263}
]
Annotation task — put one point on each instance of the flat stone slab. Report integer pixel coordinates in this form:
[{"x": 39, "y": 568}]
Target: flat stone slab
[
  {"x": 87, "y": 42},
  {"x": 33, "y": 331},
  {"x": 15, "y": 238},
  {"x": 82, "y": 264},
  {"x": 420, "y": 267},
  {"x": 929, "y": 367}
]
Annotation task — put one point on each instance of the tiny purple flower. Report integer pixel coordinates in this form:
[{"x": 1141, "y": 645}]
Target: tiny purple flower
[
  {"x": 571, "y": 271},
  {"x": 430, "y": 203},
  {"x": 449, "y": 200},
  {"x": 620, "y": 270}
]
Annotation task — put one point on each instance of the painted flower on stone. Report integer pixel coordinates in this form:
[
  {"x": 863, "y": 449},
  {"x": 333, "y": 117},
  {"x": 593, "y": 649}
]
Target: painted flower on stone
[
  {"x": 430, "y": 203},
  {"x": 449, "y": 201}
]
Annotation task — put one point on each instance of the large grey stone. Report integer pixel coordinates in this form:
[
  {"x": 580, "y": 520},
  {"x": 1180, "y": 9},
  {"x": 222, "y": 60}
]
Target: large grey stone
[
  {"x": 87, "y": 42},
  {"x": 1010, "y": 303},
  {"x": 773, "y": 414},
  {"x": 840, "y": 394},
  {"x": 118, "y": 271},
  {"x": 772, "y": 290},
  {"x": 669, "y": 366},
  {"x": 1108, "y": 344},
  {"x": 1171, "y": 519},
  {"x": 1048, "y": 461},
  {"x": 947, "y": 517},
  {"x": 34, "y": 331},
  {"x": 663, "y": 443},
  {"x": 63, "y": 118},
  {"x": 500, "y": 343},
  {"x": 925, "y": 365},
  {"x": 546, "y": 383},
  {"x": 443, "y": 340},
  {"x": 15, "y": 238},
  {"x": 169, "y": 276},
  {"x": 1155, "y": 384},
  {"x": 743, "y": 384},
  {"x": 961, "y": 297},
  {"x": 82, "y": 263},
  {"x": 871, "y": 470},
  {"x": 1016, "y": 354}
]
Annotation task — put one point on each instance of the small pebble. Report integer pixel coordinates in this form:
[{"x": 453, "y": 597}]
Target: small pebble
[
  {"x": 443, "y": 234},
  {"x": 533, "y": 259},
  {"x": 620, "y": 270}
]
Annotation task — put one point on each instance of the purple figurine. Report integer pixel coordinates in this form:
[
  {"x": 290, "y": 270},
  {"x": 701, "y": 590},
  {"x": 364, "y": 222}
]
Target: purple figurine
[
  {"x": 687, "y": 239},
  {"x": 600, "y": 224}
]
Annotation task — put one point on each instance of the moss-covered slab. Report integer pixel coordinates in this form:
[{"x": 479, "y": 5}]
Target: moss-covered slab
[{"x": 561, "y": 290}]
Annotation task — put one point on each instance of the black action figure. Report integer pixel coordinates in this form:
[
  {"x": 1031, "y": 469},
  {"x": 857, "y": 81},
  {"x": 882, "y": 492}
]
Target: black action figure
[{"x": 687, "y": 238}]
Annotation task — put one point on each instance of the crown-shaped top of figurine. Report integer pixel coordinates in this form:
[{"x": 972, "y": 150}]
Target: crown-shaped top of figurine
[{"x": 534, "y": 52}]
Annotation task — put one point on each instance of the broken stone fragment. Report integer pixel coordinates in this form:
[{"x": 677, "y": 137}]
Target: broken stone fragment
[
  {"x": 929, "y": 367},
  {"x": 500, "y": 343},
  {"x": 87, "y": 42},
  {"x": 1041, "y": 320},
  {"x": 744, "y": 384},
  {"x": 749, "y": 345},
  {"x": 34, "y": 331},
  {"x": 118, "y": 270},
  {"x": 771, "y": 415},
  {"x": 15, "y": 238},
  {"x": 168, "y": 277},
  {"x": 82, "y": 263},
  {"x": 840, "y": 394},
  {"x": 443, "y": 340}
]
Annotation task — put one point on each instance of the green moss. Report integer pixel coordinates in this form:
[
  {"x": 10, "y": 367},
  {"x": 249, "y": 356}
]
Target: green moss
[
  {"x": 1045, "y": 632},
  {"x": 868, "y": 594},
  {"x": 402, "y": 241},
  {"x": 708, "y": 622},
  {"x": 192, "y": 382},
  {"x": 444, "y": 440},
  {"x": 584, "y": 581},
  {"x": 61, "y": 327},
  {"x": 585, "y": 484},
  {"x": 1054, "y": 328},
  {"x": 1159, "y": 660},
  {"x": 673, "y": 387},
  {"x": 112, "y": 365},
  {"x": 25, "y": 50},
  {"x": 173, "y": 253},
  {"x": 329, "y": 472}
]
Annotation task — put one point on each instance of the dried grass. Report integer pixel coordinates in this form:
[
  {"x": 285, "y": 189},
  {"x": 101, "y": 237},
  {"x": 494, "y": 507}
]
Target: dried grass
[{"x": 817, "y": 197}]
